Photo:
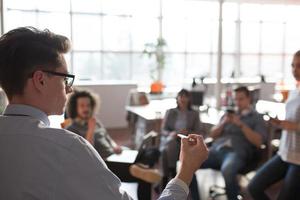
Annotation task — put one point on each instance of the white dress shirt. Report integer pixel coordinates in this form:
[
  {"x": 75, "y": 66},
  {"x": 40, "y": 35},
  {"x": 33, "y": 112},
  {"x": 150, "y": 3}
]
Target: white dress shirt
[{"x": 38, "y": 162}]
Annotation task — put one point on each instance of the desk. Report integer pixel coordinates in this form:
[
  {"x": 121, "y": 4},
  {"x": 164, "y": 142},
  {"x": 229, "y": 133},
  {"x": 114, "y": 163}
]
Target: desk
[
  {"x": 127, "y": 156},
  {"x": 156, "y": 109}
]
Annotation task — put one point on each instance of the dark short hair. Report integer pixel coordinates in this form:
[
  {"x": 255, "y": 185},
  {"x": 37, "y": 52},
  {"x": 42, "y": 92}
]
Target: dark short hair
[
  {"x": 297, "y": 54},
  {"x": 243, "y": 89},
  {"x": 27, "y": 49},
  {"x": 72, "y": 102},
  {"x": 184, "y": 92}
]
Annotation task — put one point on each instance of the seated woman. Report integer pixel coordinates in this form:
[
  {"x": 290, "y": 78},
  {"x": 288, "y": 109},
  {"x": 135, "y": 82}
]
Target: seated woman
[
  {"x": 181, "y": 119},
  {"x": 286, "y": 164}
]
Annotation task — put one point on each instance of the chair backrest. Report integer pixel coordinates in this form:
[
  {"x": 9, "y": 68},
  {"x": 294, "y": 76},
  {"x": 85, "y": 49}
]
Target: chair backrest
[
  {"x": 136, "y": 98},
  {"x": 149, "y": 140},
  {"x": 197, "y": 97}
]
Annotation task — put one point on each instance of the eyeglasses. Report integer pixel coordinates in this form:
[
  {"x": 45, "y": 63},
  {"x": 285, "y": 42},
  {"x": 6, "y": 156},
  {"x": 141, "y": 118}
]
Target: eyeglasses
[{"x": 68, "y": 78}]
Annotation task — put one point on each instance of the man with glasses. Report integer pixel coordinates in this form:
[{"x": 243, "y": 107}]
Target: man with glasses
[{"x": 39, "y": 162}]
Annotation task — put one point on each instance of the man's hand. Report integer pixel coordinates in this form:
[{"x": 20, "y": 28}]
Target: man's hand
[
  {"x": 91, "y": 130},
  {"x": 284, "y": 124},
  {"x": 117, "y": 149},
  {"x": 173, "y": 134},
  {"x": 275, "y": 121},
  {"x": 236, "y": 120},
  {"x": 226, "y": 119},
  {"x": 184, "y": 132},
  {"x": 92, "y": 124},
  {"x": 192, "y": 155},
  {"x": 287, "y": 125}
]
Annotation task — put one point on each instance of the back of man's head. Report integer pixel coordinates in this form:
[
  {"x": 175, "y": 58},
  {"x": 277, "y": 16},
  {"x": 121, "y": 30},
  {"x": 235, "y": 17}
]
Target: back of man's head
[{"x": 25, "y": 50}]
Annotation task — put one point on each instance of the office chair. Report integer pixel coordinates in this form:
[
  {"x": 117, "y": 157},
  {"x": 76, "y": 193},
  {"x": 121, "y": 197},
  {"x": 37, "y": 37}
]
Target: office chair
[{"x": 135, "y": 98}]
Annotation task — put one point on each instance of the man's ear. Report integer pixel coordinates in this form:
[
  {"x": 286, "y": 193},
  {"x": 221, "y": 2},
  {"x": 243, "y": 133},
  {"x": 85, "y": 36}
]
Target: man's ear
[{"x": 38, "y": 79}]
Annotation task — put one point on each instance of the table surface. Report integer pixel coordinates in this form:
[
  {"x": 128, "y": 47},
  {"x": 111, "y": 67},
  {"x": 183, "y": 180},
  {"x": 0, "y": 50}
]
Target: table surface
[{"x": 156, "y": 109}]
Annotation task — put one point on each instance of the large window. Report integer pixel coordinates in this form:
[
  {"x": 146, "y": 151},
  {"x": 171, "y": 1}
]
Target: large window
[{"x": 108, "y": 36}]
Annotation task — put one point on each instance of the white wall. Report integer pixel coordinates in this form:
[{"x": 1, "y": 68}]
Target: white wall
[{"x": 113, "y": 98}]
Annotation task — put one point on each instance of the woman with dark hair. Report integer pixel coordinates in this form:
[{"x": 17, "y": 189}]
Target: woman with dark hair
[{"x": 182, "y": 119}]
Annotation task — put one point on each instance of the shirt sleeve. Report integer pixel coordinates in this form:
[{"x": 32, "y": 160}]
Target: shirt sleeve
[
  {"x": 261, "y": 127},
  {"x": 86, "y": 176},
  {"x": 175, "y": 190},
  {"x": 165, "y": 129},
  {"x": 102, "y": 144}
]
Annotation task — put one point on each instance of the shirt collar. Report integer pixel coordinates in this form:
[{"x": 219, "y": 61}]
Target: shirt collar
[
  {"x": 247, "y": 111},
  {"x": 81, "y": 122},
  {"x": 20, "y": 109}
]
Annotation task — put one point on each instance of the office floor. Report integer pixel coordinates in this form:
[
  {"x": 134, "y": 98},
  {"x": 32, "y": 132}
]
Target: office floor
[{"x": 209, "y": 177}]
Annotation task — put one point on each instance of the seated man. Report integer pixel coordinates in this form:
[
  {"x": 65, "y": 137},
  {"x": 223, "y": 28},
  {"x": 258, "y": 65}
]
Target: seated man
[
  {"x": 80, "y": 108},
  {"x": 238, "y": 137}
]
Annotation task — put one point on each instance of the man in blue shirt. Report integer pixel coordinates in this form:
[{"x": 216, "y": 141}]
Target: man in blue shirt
[
  {"x": 39, "y": 162},
  {"x": 237, "y": 139}
]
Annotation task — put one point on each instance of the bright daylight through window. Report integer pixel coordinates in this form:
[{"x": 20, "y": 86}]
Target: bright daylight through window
[{"x": 109, "y": 36}]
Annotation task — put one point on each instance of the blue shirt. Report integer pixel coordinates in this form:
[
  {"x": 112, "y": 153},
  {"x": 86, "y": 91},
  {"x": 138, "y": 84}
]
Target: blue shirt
[
  {"x": 234, "y": 138},
  {"x": 39, "y": 162}
]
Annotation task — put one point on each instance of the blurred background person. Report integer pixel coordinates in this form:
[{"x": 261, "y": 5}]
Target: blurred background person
[
  {"x": 286, "y": 164},
  {"x": 81, "y": 109},
  {"x": 237, "y": 140},
  {"x": 182, "y": 119}
]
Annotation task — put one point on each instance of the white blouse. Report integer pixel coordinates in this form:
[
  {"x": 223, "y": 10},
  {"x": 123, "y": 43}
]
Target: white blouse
[{"x": 289, "y": 149}]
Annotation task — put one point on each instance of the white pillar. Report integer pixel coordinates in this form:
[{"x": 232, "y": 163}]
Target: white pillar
[
  {"x": 1, "y": 17},
  {"x": 237, "y": 68},
  {"x": 218, "y": 87}
]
